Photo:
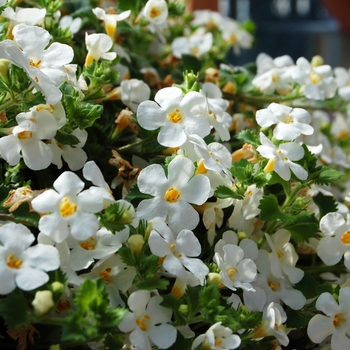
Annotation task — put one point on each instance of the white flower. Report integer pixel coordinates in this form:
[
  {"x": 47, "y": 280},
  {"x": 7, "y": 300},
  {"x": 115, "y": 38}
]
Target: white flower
[
  {"x": 74, "y": 156},
  {"x": 116, "y": 275},
  {"x": 68, "y": 210},
  {"x": 217, "y": 337},
  {"x": 335, "y": 242},
  {"x": 176, "y": 115},
  {"x": 265, "y": 62},
  {"x": 173, "y": 194},
  {"x": 281, "y": 158},
  {"x": 74, "y": 24},
  {"x": 178, "y": 250},
  {"x": 156, "y": 11},
  {"x": 272, "y": 324},
  {"x": 147, "y": 321},
  {"x": 21, "y": 264},
  {"x": 34, "y": 126},
  {"x": 236, "y": 272},
  {"x": 291, "y": 122},
  {"x": 99, "y": 246},
  {"x": 110, "y": 20},
  {"x": 318, "y": 81},
  {"x": 98, "y": 46},
  {"x": 197, "y": 45},
  {"x": 133, "y": 92},
  {"x": 342, "y": 78},
  {"x": 29, "y": 16},
  {"x": 335, "y": 322},
  {"x": 44, "y": 66}
]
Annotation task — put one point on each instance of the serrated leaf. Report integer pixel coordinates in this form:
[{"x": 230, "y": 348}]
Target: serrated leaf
[
  {"x": 328, "y": 176},
  {"x": 115, "y": 217},
  {"x": 135, "y": 193},
  {"x": 66, "y": 139},
  {"x": 242, "y": 170},
  {"x": 247, "y": 136},
  {"x": 303, "y": 227},
  {"x": 297, "y": 320},
  {"x": 270, "y": 210},
  {"x": 13, "y": 309},
  {"x": 192, "y": 297},
  {"x": 127, "y": 256},
  {"x": 326, "y": 204},
  {"x": 172, "y": 302},
  {"x": 226, "y": 192}
]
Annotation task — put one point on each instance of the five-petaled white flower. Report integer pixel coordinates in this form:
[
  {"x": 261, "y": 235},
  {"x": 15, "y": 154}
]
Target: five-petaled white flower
[
  {"x": 335, "y": 322},
  {"x": 148, "y": 322},
  {"x": 178, "y": 250},
  {"x": 173, "y": 194},
  {"x": 69, "y": 210},
  {"x": 21, "y": 264},
  {"x": 281, "y": 158},
  {"x": 217, "y": 337},
  {"x": 156, "y": 11},
  {"x": 176, "y": 115},
  {"x": 290, "y": 122}
]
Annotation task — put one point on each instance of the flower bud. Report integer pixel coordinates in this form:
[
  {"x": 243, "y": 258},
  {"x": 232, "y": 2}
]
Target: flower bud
[
  {"x": 42, "y": 302},
  {"x": 183, "y": 309},
  {"x": 136, "y": 243},
  {"x": 4, "y": 69},
  {"x": 317, "y": 61},
  {"x": 214, "y": 278},
  {"x": 57, "y": 287}
]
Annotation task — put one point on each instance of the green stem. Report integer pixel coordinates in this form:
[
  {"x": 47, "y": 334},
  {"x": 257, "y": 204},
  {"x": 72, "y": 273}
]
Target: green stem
[
  {"x": 323, "y": 268},
  {"x": 290, "y": 198},
  {"x": 8, "y": 217},
  {"x": 135, "y": 144},
  {"x": 8, "y": 104}
]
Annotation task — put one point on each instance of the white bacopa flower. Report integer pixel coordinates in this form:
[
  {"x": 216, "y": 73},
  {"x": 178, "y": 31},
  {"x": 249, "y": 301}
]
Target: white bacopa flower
[
  {"x": 173, "y": 194},
  {"x": 236, "y": 272},
  {"x": 99, "y": 246},
  {"x": 44, "y": 65},
  {"x": 98, "y": 46},
  {"x": 265, "y": 62},
  {"x": 74, "y": 24},
  {"x": 148, "y": 322},
  {"x": 110, "y": 20},
  {"x": 272, "y": 324},
  {"x": 179, "y": 251},
  {"x": 133, "y": 92},
  {"x": 336, "y": 240},
  {"x": 342, "y": 78},
  {"x": 74, "y": 156},
  {"x": 29, "y": 16},
  {"x": 335, "y": 322},
  {"x": 176, "y": 115},
  {"x": 318, "y": 82},
  {"x": 21, "y": 264},
  {"x": 156, "y": 11},
  {"x": 68, "y": 209},
  {"x": 290, "y": 122},
  {"x": 116, "y": 275},
  {"x": 34, "y": 126},
  {"x": 197, "y": 45},
  {"x": 217, "y": 337},
  {"x": 281, "y": 158}
]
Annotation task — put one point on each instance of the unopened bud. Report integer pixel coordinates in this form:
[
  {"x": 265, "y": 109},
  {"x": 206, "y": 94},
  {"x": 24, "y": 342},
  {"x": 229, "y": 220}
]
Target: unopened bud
[
  {"x": 317, "y": 61},
  {"x": 242, "y": 235},
  {"x": 57, "y": 287},
  {"x": 184, "y": 309},
  {"x": 136, "y": 243},
  {"x": 4, "y": 69},
  {"x": 42, "y": 302},
  {"x": 214, "y": 278}
]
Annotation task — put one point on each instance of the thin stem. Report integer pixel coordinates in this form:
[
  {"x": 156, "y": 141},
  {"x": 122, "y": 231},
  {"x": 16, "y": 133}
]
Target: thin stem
[
  {"x": 8, "y": 217},
  {"x": 8, "y": 104},
  {"x": 292, "y": 196},
  {"x": 135, "y": 144}
]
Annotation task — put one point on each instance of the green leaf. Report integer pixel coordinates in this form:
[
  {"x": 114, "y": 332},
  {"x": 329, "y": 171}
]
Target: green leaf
[
  {"x": 191, "y": 63},
  {"x": 295, "y": 319},
  {"x": 86, "y": 114},
  {"x": 115, "y": 217},
  {"x": 247, "y": 136},
  {"x": 127, "y": 256},
  {"x": 242, "y": 170},
  {"x": 192, "y": 298},
  {"x": 13, "y": 309},
  {"x": 326, "y": 204},
  {"x": 135, "y": 193},
  {"x": 303, "y": 227},
  {"x": 324, "y": 288},
  {"x": 160, "y": 284},
  {"x": 172, "y": 302},
  {"x": 307, "y": 286},
  {"x": 226, "y": 192},
  {"x": 328, "y": 176},
  {"x": 270, "y": 210},
  {"x": 66, "y": 139}
]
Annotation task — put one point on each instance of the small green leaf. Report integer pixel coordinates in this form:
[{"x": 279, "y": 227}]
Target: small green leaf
[
  {"x": 307, "y": 286},
  {"x": 270, "y": 210},
  {"x": 172, "y": 302},
  {"x": 329, "y": 175},
  {"x": 247, "y": 136},
  {"x": 127, "y": 256},
  {"x": 66, "y": 139},
  {"x": 295, "y": 319},
  {"x": 226, "y": 192},
  {"x": 160, "y": 284},
  {"x": 115, "y": 217},
  {"x": 13, "y": 309},
  {"x": 303, "y": 227},
  {"x": 326, "y": 204},
  {"x": 135, "y": 193},
  {"x": 242, "y": 170}
]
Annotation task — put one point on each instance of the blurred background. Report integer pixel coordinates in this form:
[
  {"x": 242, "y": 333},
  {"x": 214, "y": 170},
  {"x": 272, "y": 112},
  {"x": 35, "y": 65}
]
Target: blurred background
[{"x": 294, "y": 27}]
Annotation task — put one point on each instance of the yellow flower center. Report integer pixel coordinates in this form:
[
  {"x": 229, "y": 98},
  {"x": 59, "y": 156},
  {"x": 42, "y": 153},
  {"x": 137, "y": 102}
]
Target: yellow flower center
[
  {"x": 315, "y": 77},
  {"x": 89, "y": 244},
  {"x": 274, "y": 285},
  {"x": 25, "y": 135},
  {"x": 13, "y": 263},
  {"x": 232, "y": 39},
  {"x": 194, "y": 50},
  {"x": 155, "y": 12},
  {"x": 50, "y": 108},
  {"x": 175, "y": 116},
  {"x": 345, "y": 239},
  {"x": 218, "y": 342},
  {"x": 106, "y": 274},
  {"x": 275, "y": 77},
  {"x": 35, "y": 64},
  {"x": 338, "y": 320},
  {"x": 287, "y": 119},
  {"x": 172, "y": 195},
  {"x": 67, "y": 208},
  {"x": 142, "y": 322},
  {"x": 232, "y": 271}
]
